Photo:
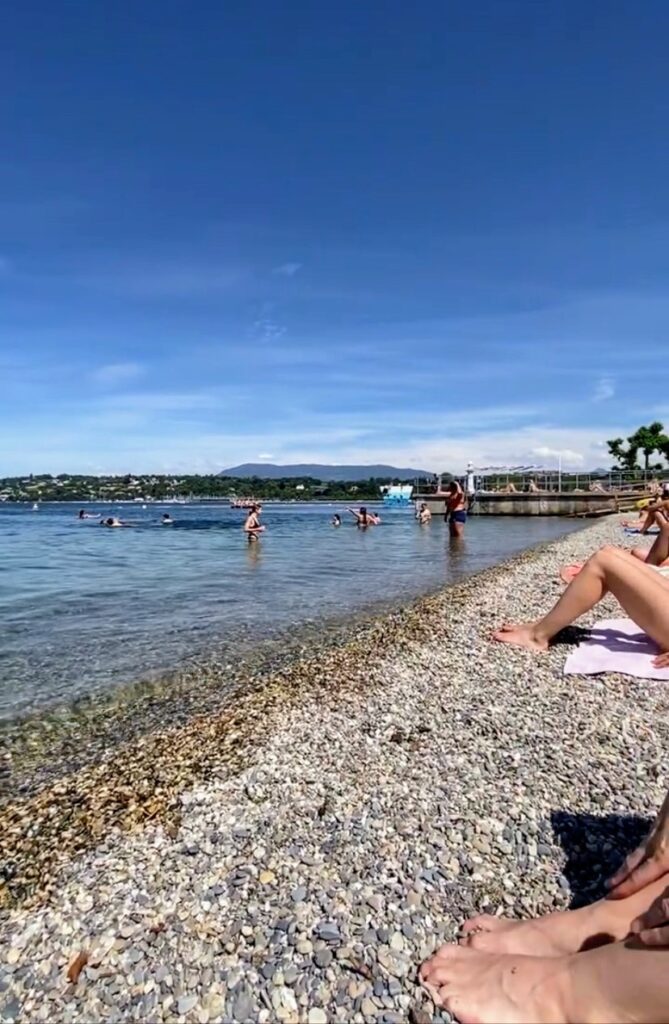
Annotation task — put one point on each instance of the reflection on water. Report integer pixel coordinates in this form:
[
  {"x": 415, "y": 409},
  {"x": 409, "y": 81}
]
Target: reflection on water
[{"x": 83, "y": 607}]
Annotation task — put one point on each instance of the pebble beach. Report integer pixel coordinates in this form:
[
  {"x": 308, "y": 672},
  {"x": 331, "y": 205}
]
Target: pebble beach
[{"x": 294, "y": 856}]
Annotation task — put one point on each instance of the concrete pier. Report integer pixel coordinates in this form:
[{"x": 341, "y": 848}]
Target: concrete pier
[{"x": 565, "y": 503}]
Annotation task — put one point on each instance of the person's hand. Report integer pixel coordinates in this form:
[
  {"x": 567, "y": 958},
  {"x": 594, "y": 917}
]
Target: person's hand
[
  {"x": 652, "y": 928},
  {"x": 662, "y": 660},
  {"x": 645, "y": 865}
]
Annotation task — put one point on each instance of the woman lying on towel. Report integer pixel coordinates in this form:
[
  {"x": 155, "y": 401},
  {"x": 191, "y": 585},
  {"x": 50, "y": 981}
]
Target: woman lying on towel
[{"x": 641, "y": 590}]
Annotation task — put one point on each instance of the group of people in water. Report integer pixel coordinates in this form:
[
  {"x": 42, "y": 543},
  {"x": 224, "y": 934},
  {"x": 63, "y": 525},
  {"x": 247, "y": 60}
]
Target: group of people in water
[
  {"x": 114, "y": 521},
  {"x": 456, "y": 509},
  {"x": 607, "y": 962},
  {"x": 455, "y": 515}
]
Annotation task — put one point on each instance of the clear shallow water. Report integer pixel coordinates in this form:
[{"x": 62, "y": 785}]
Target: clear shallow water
[{"x": 83, "y": 608}]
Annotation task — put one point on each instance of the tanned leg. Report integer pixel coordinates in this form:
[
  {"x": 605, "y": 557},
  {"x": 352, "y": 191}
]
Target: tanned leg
[
  {"x": 642, "y": 592},
  {"x": 567, "y": 931}
]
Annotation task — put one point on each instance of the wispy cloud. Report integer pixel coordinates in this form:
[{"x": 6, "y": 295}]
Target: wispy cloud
[
  {"x": 604, "y": 390},
  {"x": 265, "y": 455},
  {"x": 287, "y": 269},
  {"x": 567, "y": 455},
  {"x": 117, "y": 373},
  {"x": 267, "y": 330}
]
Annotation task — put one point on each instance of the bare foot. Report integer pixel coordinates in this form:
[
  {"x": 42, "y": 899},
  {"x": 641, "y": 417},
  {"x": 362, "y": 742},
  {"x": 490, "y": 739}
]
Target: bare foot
[
  {"x": 570, "y": 572},
  {"x": 483, "y": 988},
  {"x": 555, "y": 934},
  {"x": 521, "y": 636}
]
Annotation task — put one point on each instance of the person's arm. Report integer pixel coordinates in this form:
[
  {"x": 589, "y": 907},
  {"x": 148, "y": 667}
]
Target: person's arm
[
  {"x": 647, "y": 863},
  {"x": 354, "y": 513}
]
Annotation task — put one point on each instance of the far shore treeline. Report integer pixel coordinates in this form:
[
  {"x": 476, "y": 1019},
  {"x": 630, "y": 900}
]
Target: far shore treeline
[{"x": 152, "y": 487}]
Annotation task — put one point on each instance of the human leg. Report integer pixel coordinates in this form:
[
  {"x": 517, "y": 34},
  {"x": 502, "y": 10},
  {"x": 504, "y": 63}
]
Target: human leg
[
  {"x": 620, "y": 982},
  {"x": 642, "y": 592},
  {"x": 659, "y": 552},
  {"x": 566, "y": 931}
]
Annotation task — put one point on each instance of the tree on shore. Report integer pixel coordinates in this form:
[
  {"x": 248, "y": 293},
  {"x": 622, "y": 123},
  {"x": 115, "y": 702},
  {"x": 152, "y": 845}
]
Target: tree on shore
[{"x": 646, "y": 439}]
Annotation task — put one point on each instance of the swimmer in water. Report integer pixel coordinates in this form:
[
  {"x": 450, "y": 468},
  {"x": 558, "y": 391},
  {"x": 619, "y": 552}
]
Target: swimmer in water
[
  {"x": 423, "y": 515},
  {"x": 167, "y": 519},
  {"x": 364, "y": 518},
  {"x": 456, "y": 509},
  {"x": 336, "y": 519},
  {"x": 112, "y": 521},
  {"x": 252, "y": 526}
]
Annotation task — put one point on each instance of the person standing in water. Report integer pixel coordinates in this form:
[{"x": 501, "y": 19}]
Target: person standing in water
[
  {"x": 252, "y": 526},
  {"x": 336, "y": 519},
  {"x": 364, "y": 518},
  {"x": 456, "y": 509},
  {"x": 423, "y": 515}
]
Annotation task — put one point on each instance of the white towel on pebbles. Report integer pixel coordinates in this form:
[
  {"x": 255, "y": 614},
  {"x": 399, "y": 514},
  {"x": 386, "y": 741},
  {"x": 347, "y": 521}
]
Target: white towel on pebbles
[{"x": 616, "y": 645}]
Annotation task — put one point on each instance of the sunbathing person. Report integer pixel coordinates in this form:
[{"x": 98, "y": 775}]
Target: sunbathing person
[
  {"x": 640, "y": 589},
  {"x": 657, "y": 555},
  {"x": 651, "y": 514},
  {"x": 608, "y": 962}
]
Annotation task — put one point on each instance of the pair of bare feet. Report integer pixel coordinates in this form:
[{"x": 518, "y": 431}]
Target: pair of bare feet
[
  {"x": 507, "y": 971},
  {"x": 568, "y": 967}
]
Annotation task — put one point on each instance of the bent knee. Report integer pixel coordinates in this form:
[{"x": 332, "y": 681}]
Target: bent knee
[{"x": 607, "y": 552}]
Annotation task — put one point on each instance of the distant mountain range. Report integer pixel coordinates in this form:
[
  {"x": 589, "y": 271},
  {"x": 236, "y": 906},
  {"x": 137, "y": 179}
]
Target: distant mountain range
[{"x": 269, "y": 471}]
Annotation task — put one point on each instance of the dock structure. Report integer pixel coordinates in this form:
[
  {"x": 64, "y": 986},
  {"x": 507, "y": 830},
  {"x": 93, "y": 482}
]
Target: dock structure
[{"x": 566, "y": 503}]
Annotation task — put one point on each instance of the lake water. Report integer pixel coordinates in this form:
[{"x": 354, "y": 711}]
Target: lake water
[{"x": 84, "y": 608}]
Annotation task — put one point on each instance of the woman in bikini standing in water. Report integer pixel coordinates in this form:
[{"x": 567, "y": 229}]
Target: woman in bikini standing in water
[
  {"x": 456, "y": 509},
  {"x": 252, "y": 526}
]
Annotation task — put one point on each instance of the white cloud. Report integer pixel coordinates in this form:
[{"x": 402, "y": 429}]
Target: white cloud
[
  {"x": 568, "y": 456},
  {"x": 604, "y": 390},
  {"x": 265, "y": 455},
  {"x": 287, "y": 269},
  {"x": 117, "y": 373}
]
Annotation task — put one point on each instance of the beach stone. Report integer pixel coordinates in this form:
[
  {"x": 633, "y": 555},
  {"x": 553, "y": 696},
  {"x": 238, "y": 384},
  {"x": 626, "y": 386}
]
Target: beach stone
[
  {"x": 284, "y": 1003},
  {"x": 317, "y": 1016},
  {"x": 323, "y": 958},
  {"x": 185, "y": 1004}
]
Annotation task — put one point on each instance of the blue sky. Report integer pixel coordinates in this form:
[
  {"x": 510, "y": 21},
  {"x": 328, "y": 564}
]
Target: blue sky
[{"x": 416, "y": 233}]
